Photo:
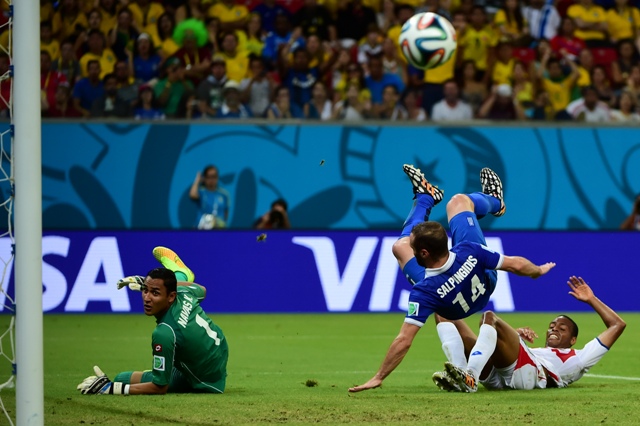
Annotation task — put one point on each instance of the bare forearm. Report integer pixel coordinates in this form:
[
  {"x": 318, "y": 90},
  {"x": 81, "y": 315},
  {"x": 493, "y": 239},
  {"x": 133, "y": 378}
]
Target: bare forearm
[
  {"x": 609, "y": 317},
  {"x": 395, "y": 355},
  {"x": 148, "y": 388},
  {"x": 193, "y": 191},
  {"x": 615, "y": 325},
  {"x": 522, "y": 266}
]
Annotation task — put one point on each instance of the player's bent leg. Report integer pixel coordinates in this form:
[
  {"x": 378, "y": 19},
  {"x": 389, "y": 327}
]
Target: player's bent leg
[
  {"x": 170, "y": 260},
  {"x": 465, "y": 227},
  {"x": 507, "y": 343},
  {"x": 402, "y": 251},
  {"x": 452, "y": 344},
  {"x": 468, "y": 336},
  {"x": 457, "y": 204}
]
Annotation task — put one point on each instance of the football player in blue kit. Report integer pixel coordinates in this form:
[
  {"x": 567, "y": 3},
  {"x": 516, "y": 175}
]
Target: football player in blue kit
[{"x": 453, "y": 283}]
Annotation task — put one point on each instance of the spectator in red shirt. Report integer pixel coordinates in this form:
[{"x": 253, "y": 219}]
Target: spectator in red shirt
[
  {"x": 567, "y": 40},
  {"x": 49, "y": 80},
  {"x": 62, "y": 106},
  {"x": 5, "y": 85},
  {"x": 192, "y": 35}
]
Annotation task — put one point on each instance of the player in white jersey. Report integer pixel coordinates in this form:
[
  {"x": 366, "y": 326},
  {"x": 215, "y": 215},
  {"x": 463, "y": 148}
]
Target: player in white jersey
[{"x": 513, "y": 364}]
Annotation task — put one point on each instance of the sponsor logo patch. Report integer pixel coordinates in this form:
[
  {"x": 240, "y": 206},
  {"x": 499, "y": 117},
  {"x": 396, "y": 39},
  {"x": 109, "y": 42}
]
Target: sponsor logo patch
[
  {"x": 413, "y": 309},
  {"x": 158, "y": 363},
  {"x": 157, "y": 348}
]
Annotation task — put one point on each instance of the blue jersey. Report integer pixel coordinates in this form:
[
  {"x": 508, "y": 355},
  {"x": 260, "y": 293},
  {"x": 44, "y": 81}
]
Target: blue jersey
[
  {"x": 461, "y": 287},
  {"x": 216, "y": 203}
]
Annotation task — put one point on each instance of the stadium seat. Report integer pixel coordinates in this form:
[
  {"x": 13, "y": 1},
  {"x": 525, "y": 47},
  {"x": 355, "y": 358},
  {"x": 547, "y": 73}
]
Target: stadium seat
[{"x": 524, "y": 54}]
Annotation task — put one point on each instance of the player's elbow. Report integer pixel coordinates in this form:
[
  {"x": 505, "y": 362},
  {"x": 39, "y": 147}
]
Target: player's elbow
[{"x": 161, "y": 390}]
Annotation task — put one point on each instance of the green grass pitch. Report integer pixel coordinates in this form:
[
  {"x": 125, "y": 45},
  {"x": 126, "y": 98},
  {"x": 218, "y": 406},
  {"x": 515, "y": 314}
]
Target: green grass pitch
[{"x": 273, "y": 356}]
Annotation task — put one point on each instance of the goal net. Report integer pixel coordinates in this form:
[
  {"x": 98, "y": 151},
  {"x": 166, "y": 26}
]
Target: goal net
[{"x": 7, "y": 242}]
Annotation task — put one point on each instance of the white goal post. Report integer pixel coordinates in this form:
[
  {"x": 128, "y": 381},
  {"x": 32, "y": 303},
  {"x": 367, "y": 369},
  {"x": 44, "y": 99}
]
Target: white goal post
[{"x": 27, "y": 160}]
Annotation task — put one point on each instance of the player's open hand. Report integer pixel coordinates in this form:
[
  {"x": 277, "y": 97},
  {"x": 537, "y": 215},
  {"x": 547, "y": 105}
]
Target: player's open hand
[
  {"x": 580, "y": 289},
  {"x": 527, "y": 334},
  {"x": 371, "y": 384},
  {"x": 546, "y": 267}
]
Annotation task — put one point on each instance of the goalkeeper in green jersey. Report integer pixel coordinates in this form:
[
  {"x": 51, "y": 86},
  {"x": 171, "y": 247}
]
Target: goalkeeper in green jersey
[{"x": 189, "y": 351}]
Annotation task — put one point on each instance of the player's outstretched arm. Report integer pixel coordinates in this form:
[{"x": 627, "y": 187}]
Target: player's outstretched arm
[
  {"x": 522, "y": 266},
  {"x": 615, "y": 325},
  {"x": 395, "y": 355}
]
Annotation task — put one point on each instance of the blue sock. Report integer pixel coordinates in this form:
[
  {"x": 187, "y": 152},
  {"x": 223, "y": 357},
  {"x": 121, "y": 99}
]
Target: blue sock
[
  {"x": 180, "y": 276},
  {"x": 418, "y": 214},
  {"x": 484, "y": 204}
]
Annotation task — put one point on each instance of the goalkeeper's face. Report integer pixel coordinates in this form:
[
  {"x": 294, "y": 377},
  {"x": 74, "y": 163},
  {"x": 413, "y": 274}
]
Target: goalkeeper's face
[{"x": 155, "y": 297}]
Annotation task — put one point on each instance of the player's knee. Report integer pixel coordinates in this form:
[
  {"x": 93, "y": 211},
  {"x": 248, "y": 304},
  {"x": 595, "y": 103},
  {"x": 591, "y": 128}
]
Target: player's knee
[
  {"x": 401, "y": 249},
  {"x": 489, "y": 317},
  {"x": 459, "y": 203}
]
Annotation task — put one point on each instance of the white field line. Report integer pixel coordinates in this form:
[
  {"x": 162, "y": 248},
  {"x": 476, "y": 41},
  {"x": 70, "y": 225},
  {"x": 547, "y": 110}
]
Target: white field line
[
  {"x": 601, "y": 376},
  {"x": 429, "y": 372}
]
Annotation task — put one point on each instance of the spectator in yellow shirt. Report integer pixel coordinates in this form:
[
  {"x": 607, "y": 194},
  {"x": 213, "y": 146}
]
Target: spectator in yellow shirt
[
  {"x": 254, "y": 42},
  {"x": 623, "y": 21},
  {"x": 402, "y": 12},
  {"x": 191, "y": 9},
  {"x": 556, "y": 84},
  {"x": 585, "y": 66},
  {"x": 47, "y": 42},
  {"x": 591, "y": 21},
  {"x": 98, "y": 52},
  {"x": 164, "y": 41},
  {"x": 108, "y": 10},
  {"x": 503, "y": 66},
  {"x": 477, "y": 41},
  {"x": 68, "y": 21},
  {"x": 511, "y": 25},
  {"x": 232, "y": 16},
  {"x": 46, "y": 10},
  {"x": 237, "y": 61},
  {"x": 146, "y": 14}
]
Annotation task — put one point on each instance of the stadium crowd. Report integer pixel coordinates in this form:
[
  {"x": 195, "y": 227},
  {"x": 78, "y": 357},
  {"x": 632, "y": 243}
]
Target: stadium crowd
[{"x": 334, "y": 60}]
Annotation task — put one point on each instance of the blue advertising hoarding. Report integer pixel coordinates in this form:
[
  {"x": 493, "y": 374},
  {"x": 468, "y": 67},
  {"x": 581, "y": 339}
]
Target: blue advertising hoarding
[
  {"x": 335, "y": 271},
  {"x": 106, "y": 175}
]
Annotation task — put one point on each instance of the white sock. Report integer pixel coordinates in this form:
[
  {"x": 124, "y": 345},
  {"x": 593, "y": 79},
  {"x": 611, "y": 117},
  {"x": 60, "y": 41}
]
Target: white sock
[
  {"x": 452, "y": 344},
  {"x": 483, "y": 349}
]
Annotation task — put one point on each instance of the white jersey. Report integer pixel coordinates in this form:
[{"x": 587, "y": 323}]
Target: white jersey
[{"x": 569, "y": 365}]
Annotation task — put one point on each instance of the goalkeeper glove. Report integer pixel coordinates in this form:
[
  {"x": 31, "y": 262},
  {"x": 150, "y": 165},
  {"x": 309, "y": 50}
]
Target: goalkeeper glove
[
  {"x": 101, "y": 385},
  {"x": 134, "y": 282}
]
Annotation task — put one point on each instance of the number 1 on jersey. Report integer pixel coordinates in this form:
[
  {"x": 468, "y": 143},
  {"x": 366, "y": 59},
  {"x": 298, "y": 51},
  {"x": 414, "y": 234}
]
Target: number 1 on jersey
[
  {"x": 477, "y": 290},
  {"x": 204, "y": 324}
]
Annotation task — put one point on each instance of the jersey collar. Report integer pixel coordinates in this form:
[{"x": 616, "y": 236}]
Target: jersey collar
[{"x": 432, "y": 272}]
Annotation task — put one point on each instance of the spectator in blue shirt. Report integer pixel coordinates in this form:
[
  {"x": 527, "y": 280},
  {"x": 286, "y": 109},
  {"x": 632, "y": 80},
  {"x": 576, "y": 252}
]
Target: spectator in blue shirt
[
  {"x": 282, "y": 106},
  {"x": 268, "y": 11},
  {"x": 377, "y": 80},
  {"x": 147, "y": 107},
  {"x": 299, "y": 78},
  {"x": 281, "y": 35},
  {"x": 146, "y": 62},
  {"x": 231, "y": 105},
  {"x": 88, "y": 89}
]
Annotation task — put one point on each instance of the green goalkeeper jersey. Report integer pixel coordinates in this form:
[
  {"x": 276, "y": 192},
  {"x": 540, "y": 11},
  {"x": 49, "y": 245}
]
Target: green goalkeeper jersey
[{"x": 187, "y": 340}]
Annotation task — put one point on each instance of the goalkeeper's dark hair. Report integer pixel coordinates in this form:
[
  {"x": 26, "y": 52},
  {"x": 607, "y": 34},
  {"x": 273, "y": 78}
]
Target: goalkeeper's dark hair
[
  {"x": 574, "y": 333},
  {"x": 167, "y": 276}
]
